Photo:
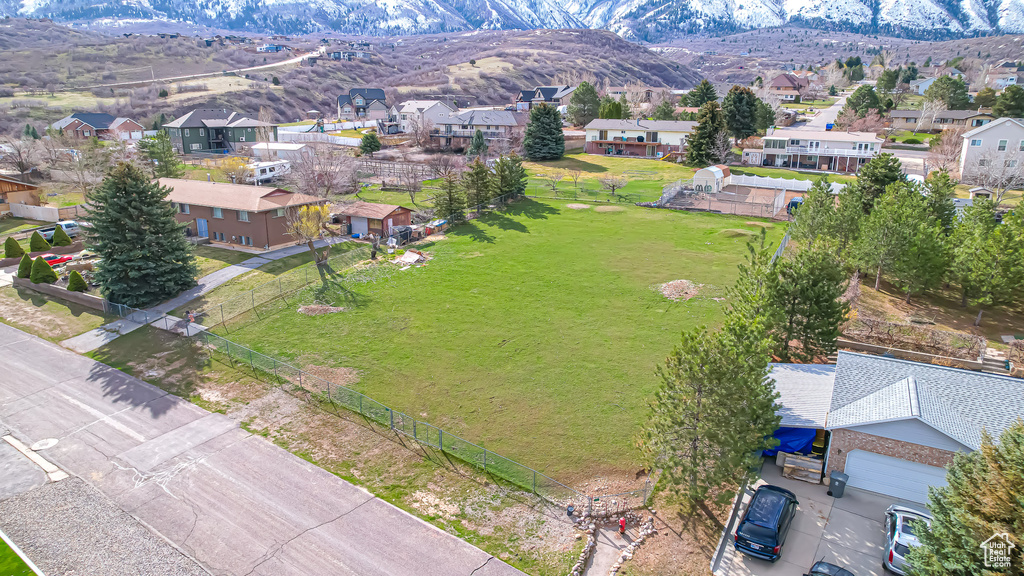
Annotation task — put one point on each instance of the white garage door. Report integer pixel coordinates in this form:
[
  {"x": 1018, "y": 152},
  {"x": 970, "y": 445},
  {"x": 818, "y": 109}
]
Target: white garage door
[
  {"x": 892, "y": 476},
  {"x": 360, "y": 225}
]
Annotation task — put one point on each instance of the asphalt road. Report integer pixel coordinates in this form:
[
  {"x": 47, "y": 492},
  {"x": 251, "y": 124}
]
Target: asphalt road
[{"x": 233, "y": 501}]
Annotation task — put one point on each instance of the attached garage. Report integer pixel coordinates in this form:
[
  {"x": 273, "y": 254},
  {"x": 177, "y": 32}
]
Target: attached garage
[{"x": 894, "y": 477}]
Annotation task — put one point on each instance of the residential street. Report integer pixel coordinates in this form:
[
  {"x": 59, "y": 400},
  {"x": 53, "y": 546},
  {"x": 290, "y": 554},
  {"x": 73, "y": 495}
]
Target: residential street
[
  {"x": 826, "y": 116},
  {"x": 231, "y": 500}
]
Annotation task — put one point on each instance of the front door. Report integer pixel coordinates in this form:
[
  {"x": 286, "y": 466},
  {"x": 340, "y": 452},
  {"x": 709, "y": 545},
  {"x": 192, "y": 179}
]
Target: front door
[
  {"x": 203, "y": 232},
  {"x": 390, "y": 223}
]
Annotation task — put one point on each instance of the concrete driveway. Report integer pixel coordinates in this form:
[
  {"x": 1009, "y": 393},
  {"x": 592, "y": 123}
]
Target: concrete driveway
[{"x": 845, "y": 531}]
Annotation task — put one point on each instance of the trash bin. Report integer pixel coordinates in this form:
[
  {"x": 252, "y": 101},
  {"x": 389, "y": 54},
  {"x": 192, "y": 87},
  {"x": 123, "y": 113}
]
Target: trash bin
[{"x": 837, "y": 484}]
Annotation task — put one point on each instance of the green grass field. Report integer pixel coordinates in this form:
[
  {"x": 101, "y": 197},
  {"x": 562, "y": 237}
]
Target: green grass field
[
  {"x": 534, "y": 332},
  {"x": 792, "y": 174},
  {"x": 210, "y": 259},
  {"x": 10, "y": 226},
  {"x": 11, "y": 564}
]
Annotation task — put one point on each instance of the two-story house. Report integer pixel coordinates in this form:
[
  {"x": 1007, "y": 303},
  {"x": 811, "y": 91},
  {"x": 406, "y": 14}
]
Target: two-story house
[
  {"x": 832, "y": 151},
  {"x": 643, "y": 138},
  {"x": 788, "y": 87},
  {"x": 97, "y": 125},
  {"x": 456, "y": 130},
  {"x": 550, "y": 95},
  {"x": 917, "y": 120},
  {"x": 205, "y": 130},
  {"x": 238, "y": 214},
  {"x": 363, "y": 104},
  {"x": 1000, "y": 141},
  {"x": 413, "y": 114}
]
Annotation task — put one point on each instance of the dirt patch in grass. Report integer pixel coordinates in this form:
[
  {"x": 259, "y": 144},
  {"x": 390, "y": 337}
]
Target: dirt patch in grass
[
  {"x": 610, "y": 209},
  {"x": 736, "y": 232},
  {"x": 47, "y": 317},
  {"x": 761, "y": 224},
  {"x": 340, "y": 376},
  {"x": 575, "y": 206},
  {"x": 679, "y": 290},
  {"x": 684, "y": 543},
  {"x": 319, "y": 309}
]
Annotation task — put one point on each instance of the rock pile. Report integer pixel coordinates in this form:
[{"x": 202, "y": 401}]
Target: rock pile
[
  {"x": 646, "y": 530},
  {"x": 581, "y": 563}
]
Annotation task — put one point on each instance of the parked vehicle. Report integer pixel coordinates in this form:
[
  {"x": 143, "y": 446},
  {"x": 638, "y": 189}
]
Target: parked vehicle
[
  {"x": 900, "y": 535},
  {"x": 763, "y": 529},
  {"x": 56, "y": 259},
  {"x": 69, "y": 226},
  {"x": 825, "y": 569},
  {"x": 260, "y": 172}
]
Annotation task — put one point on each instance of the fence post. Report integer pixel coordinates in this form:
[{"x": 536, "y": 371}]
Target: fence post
[
  {"x": 414, "y": 429},
  {"x": 222, "y": 313},
  {"x": 276, "y": 377},
  {"x": 485, "y": 459},
  {"x": 534, "y": 481},
  {"x": 252, "y": 294},
  {"x": 300, "y": 380},
  {"x": 392, "y": 412},
  {"x": 251, "y": 365},
  {"x": 440, "y": 439},
  {"x": 360, "y": 403},
  {"x": 646, "y": 482}
]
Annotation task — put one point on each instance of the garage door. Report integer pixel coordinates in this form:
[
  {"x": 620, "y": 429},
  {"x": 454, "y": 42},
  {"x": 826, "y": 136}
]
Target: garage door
[
  {"x": 892, "y": 476},
  {"x": 360, "y": 226}
]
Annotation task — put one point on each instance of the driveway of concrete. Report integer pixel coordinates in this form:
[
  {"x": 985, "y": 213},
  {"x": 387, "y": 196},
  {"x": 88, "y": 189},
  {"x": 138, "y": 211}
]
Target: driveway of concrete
[
  {"x": 845, "y": 531},
  {"x": 823, "y": 117},
  {"x": 231, "y": 500}
]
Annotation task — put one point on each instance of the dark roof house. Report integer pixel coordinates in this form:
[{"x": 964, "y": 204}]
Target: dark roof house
[{"x": 359, "y": 100}]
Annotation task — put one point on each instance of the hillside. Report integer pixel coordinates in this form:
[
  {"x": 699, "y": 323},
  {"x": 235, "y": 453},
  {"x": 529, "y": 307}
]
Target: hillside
[{"x": 650, "y": 20}]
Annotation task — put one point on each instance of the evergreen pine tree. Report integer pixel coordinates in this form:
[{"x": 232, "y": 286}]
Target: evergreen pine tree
[
  {"x": 986, "y": 97},
  {"x": 160, "y": 154},
  {"x": 888, "y": 230},
  {"x": 700, "y": 95},
  {"x": 664, "y": 111},
  {"x": 765, "y": 117},
  {"x": 12, "y": 248},
  {"x": 478, "y": 146},
  {"x": 544, "y": 139},
  {"x": 369, "y": 144},
  {"x": 60, "y": 237},
  {"x": 42, "y": 273},
  {"x": 450, "y": 202},
  {"x": 37, "y": 243},
  {"x": 982, "y": 499},
  {"x": 146, "y": 257},
  {"x": 510, "y": 176},
  {"x": 987, "y": 258},
  {"x": 940, "y": 190},
  {"x": 610, "y": 109},
  {"x": 1010, "y": 103},
  {"x": 876, "y": 175},
  {"x": 740, "y": 109},
  {"x": 710, "y": 126},
  {"x": 808, "y": 297},
  {"x": 76, "y": 283},
  {"x": 478, "y": 183},
  {"x": 950, "y": 91},
  {"x": 624, "y": 108},
  {"x": 584, "y": 105},
  {"x": 25, "y": 267},
  {"x": 832, "y": 90}
]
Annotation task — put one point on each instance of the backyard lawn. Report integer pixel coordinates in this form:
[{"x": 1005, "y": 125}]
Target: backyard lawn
[
  {"x": 210, "y": 259},
  {"x": 645, "y": 178},
  {"x": 534, "y": 332},
  {"x": 10, "y": 226}
]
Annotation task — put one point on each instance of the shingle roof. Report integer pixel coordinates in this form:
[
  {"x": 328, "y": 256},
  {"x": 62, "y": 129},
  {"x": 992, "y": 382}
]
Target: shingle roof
[
  {"x": 207, "y": 118},
  {"x": 993, "y": 124},
  {"x": 788, "y": 81},
  {"x": 805, "y": 391},
  {"x": 824, "y": 135},
  {"x": 954, "y": 114},
  {"x": 96, "y": 120},
  {"x": 484, "y": 118},
  {"x": 660, "y": 125},
  {"x": 365, "y": 210},
  {"x": 233, "y": 196},
  {"x": 418, "y": 106},
  {"x": 958, "y": 403},
  {"x": 368, "y": 94}
]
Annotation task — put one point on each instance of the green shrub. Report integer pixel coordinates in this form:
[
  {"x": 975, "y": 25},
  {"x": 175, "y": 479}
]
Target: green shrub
[
  {"x": 912, "y": 141},
  {"x": 25, "y": 267},
  {"x": 38, "y": 243},
  {"x": 76, "y": 283},
  {"x": 163, "y": 93},
  {"x": 42, "y": 273},
  {"x": 61, "y": 238},
  {"x": 12, "y": 249}
]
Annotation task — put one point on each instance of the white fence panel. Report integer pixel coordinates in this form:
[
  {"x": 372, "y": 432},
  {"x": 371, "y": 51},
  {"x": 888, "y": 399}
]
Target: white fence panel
[
  {"x": 317, "y": 137},
  {"x": 44, "y": 213}
]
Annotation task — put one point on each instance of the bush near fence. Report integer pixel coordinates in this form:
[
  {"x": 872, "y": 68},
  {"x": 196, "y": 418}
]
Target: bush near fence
[{"x": 906, "y": 336}]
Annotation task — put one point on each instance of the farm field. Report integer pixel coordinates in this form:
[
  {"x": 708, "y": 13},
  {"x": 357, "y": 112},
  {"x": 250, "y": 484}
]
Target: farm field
[{"x": 534, "y": 332}]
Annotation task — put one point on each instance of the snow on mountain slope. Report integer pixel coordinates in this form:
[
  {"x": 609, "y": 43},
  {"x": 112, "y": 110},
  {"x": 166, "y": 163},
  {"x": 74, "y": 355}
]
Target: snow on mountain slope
[{"x": 650, "y": 19}]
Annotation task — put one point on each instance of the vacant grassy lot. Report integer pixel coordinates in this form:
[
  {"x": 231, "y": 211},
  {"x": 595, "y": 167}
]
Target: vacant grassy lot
[
  {"x": 533, "y": 332},
  {"x": 47, "y": 317},
  {"x": 645, "y": 178}
]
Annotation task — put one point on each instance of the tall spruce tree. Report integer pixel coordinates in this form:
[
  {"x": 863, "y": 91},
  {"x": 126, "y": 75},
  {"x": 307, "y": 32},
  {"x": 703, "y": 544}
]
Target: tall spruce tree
[
  {"x": 1010, "y": 103},
  {"x": 987, "y": 257},
  {"x": 478, "y": 146},
  {"x": 510, "y": 176},
  {"x": 609, "y": 109},
  {"x": 808, "y": 297},
  {"x": 710, "y": 127},
  {"x": 983, "y": 499},
  {"x": 940, "y": 190},
  {"x": 146, "y": 257},
  {"x": 700, "y": 95},
  {"x": 544, "y": 139},
  {"x": 159, "y": 152},
  {"x": 450, "y": 202},
  {"x": 664, "y": 111},
  {"x": 478, "y": 183},
  {"x": 584, "y": 105},
  {"x": 740, "y": 109},
  {"x": 765, "y": 117},
  {"x": 888, "y": 230},
  {"x": 950, "y": 91},
  {"x": 875, "y": 176}
]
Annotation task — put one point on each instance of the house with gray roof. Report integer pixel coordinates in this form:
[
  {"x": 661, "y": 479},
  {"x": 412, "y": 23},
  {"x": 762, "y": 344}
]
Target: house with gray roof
[
  {"x": 217, "y": 131},
  {"x": 98, "y": 125},
  {"x": 551, "y": 95},
  {"x": 895, "y": 425},
  {"x": 363, "y": 104},
  {"x": 456, "y": 130}
]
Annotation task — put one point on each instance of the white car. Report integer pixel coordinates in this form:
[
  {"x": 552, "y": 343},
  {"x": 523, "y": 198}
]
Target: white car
[{"x": 900, "y": 535}]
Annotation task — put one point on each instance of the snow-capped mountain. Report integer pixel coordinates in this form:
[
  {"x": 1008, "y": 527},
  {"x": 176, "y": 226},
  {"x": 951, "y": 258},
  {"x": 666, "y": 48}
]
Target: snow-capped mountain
[{"x": 644, "y": 19}]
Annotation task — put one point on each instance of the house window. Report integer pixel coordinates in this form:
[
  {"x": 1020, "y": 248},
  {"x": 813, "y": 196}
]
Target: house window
[
  {"x": 86, "y": 133},
  {"x": 186, "y": 131},
  {"x": 982, "y": 162},
  {"x": 218, "y": 213},
  {"x": 196, "y": 146},
  {"x": 794, "y": 142},
  {"x": 1021, "y": 146},
  {"x": 243, "y": 216},
  {"x": 280, "y": 213},
  {"x": 651, "y": 137},
  {"x": 202, "y": 132},
  {"x": 1002, "y": 146},
  {"x": 976, "y": 142},
  {"x": 602, "y": 134},
  {"x": 1010, "y": 164},
  {"x": 183, "y": 208}
]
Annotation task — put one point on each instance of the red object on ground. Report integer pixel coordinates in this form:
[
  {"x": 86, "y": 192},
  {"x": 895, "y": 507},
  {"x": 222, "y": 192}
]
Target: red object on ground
[
  {"x": 53, "y": 259},
  {"x": 622, "y": 525}
]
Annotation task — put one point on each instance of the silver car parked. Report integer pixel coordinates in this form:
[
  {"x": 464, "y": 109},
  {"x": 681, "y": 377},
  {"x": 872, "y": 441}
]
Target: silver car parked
[{"x": 900, "y": 535}]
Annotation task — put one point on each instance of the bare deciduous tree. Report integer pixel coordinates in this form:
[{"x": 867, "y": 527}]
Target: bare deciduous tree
[
  {"x": 871, "y": 122},
  {"x": 929, "y": 111},
  {"x": 899, "y": 95},
  {"x": 322, "y": 170},
  {"x": 552, "y": 179},
  {"x": 444, "y": 165},
  {"x": 419, "y": 130},
  {"x": 847, "y": 118},
  {"x": 945, "y": 153},
  {"x": 612, "y": 183},
  {"x": 574, "y": 175},
  {"x": 833, "y": 75},
  {"x": 998, "y": 171},
  {"x": 19, "y": 155},
  {"x": 721, "y": 148},
  {"x": 265, "y": 133}
]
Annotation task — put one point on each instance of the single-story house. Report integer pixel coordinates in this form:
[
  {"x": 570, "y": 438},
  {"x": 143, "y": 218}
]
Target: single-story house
[
  {"x": 895, "y": 425},
  {"x": 237, "y": 214},
  {"x": 368, "y": 218},
  {"x": 645, "y": 138},
  {"x": 14, "y": 191},
  {"x": 98, "y": 125},
  {"x": 914, "y": 119}
]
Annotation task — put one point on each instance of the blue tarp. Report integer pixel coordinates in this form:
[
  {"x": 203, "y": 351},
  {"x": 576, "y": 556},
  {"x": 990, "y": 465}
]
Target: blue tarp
[{"x": 793, "y": 441}]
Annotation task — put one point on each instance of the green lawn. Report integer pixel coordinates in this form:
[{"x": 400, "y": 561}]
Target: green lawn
[
  {"x": 645, "y": 178},
  {"x": 534, "y": 332},
  {"x": 11, "y": 564},
  {"x": 210, "y": 259},
  {"x": 791, "y": 174},
  {"x": 47, "y": 317},
  {"x": 10, "y": 226},
  {"x": 804, "y": 104},
  {"x": 903, "y": 135}
]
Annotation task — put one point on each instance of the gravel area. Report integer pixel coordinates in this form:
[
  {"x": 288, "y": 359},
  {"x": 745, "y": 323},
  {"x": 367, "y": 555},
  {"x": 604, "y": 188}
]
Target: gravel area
[{"x": 68, "y": 528}]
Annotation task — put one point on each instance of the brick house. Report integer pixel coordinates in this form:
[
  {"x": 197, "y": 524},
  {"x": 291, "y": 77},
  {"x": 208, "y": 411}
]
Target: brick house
[
  {"x": 102, "y": 126},
  {"x": 643, "y": 138},
  {"x": 236, "y": 214},
  {"x": 205, "y": 130},
  {"x": 369, "y": 218}
]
